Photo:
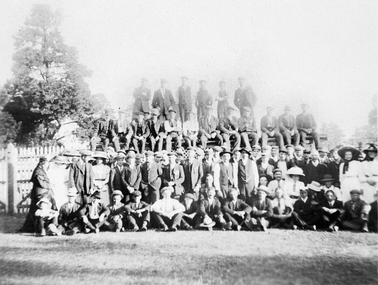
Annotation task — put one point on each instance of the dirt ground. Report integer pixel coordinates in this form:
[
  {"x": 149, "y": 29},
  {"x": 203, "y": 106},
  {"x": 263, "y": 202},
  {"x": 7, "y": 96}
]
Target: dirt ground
[{"x": 199, "y": 257}]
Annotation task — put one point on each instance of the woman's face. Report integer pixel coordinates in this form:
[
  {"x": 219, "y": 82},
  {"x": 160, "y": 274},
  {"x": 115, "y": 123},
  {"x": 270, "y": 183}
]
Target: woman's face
[
  {"x": 295, "y": 177},
  {"x": 263, "y": 181},
  {"x": 99, "y": 161},
  {"x": 348, "y": 155}
]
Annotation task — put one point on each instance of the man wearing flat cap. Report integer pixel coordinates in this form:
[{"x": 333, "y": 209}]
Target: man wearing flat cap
[
  {"x": 208, "y": 128},
  {"x": 229, "y": 129},
  {"x": 244, "y": 96},
  {"x": 331, "y": 211},
  {"x": 81, "y": 176},
  {"x": 163, "y": 100},
  {"x": 236, "y": 211},
  {"x": 173, "y": 130},
  {"x": 167, "y": 212},
  {"x": 132, "y": 176},
  {"x": 138, "y": 213},
  {"x": 203, "y": 99},
  {"x": 173, "y": 175},
  {"x": 140, "y": 133},
  {"x": 151, "y": 172},
  {"x": 356, "y": 215},
  {"x": 306, "y": 126},
  {"x": 184, "y": 100},
  {"x": 224, "y": 177},
  {"x": 247, "y": 127},
  {"x": 114, "y": 221},
  {"x": 142, "y": 97},
  {"x": 288, "y": 127},
  {"x": 94, "y": 214},
  {"x": 69, "y": 214},
  {"x": 269, "y": 128}
]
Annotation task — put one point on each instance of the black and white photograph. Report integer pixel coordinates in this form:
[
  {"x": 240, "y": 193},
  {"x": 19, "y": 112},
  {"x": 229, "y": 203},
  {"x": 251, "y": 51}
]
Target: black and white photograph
[{"x": 188, "y": 142}]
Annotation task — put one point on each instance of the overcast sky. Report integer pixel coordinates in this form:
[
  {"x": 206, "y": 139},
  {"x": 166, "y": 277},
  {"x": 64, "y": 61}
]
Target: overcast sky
[{"x": 324, "y": 53}]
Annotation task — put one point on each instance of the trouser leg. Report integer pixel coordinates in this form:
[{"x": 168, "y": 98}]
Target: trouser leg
[
  {"x": 315, "y": 138},
  {"x": 169, "y": 143},
  {"x": 279, "y": 140},
  {"x": 153, "y": 142},
  {"x": 219, "y": 138},
  {"x": 245, "y": 139},
  {"x": 136, "y": 147},
  {"x": 255, "y": 138},
  {"x": 264, "y": 139},
  {"x": 176, "y": 219},
  {"x": 296, "y": 138},
  {"x": 204, "y": 141},
  {"x": 237, "y": 140},
  {"x": 226, "y": 139},
  {"x": 229, "y": 218},
  {"x": 303, "y": 138}
]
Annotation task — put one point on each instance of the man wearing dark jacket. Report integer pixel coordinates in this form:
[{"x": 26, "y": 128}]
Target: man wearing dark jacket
[
  {"x": 236, "y": 211},
  {"x": 269, "y": 129},
  {"x": 163, "y": 100},
  {"x": 331, "y": 211},
  {"x": 305, "y": 214}
]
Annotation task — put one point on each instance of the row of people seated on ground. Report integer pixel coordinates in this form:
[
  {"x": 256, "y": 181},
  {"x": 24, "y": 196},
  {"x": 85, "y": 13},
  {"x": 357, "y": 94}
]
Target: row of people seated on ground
[
  {"x": 201, "y": 170},
  {"x": 152, "y": 127}
]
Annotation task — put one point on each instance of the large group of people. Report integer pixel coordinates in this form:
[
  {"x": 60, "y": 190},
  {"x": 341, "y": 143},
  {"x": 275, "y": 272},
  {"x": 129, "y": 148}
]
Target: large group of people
[{"x": 170, "y": 169}]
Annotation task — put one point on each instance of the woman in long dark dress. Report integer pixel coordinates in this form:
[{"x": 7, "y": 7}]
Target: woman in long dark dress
[{"x": 41, "y": 189}]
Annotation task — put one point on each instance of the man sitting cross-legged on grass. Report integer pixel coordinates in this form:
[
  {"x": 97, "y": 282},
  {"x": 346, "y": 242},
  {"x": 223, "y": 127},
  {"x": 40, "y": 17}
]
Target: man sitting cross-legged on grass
[
  {"x": 114, "y": 222},
  {"x": 209, "y": 211},
  {"x": 138, "y": 213},
  {"x": 46, "y": 218},
  {"x": 167, "y": 211},
  {"x": 305, "y": 214},
  {"x": 94, "y": 214},
  {"x": 331, "y": 211},
  {"x": 262, "y": 209},
  {"x": 236, "y": 211},
  {"x": 69, "y": 214},
  {"x": 191, "y": 208},
  {"x": 282, "y": 209}
]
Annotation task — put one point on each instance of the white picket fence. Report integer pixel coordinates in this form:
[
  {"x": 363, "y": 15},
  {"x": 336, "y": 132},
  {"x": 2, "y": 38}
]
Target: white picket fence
[{"x": 16, "y": 168}]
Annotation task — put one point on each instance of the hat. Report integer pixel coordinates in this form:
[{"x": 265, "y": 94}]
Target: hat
[
  {"x": 323, "y": 149},
  {"x": 137, "y": 193},
  {"x": 289, "y": 145},
  {"x": 139, "y": 156},
  {"x": 129, "y": 150},
  {"x": 72, "y": 192},
  {"x": 307, "y": 151},
  {"x": 266, "y": 147},
  {"x": 100, "y": 154},
  {"x": 266, "y": 176},
  {"x": 149, "y": 153},
  {"x": 330, "y": 190},
  {"x": 131, "y": 154},
  {"x": 371, "y": 147},
  {"x": 60, "y": 159},
  {"x": 179, "y": 151},
  {"x": 71, "y": 153},
  {"x": 117, "y": 192},
  {"x": 277, "y": 170},
  {"x": 246, "y": 150},
  {"x": 295, "y": 171},
  {"x": 42, "y": 159},
  {"x": 287, "y": 108},
  {"x": 355, "y": 191},
  {"x": 256, "y": 147},
  {"x": 207, "y": 222},
  {"x": 208, "y": 150},
  {"x": 225, "y": 152},
  {"x": 172, "y": 109},
  {"x": 189, "y": 195},
  {"x": 167, "y": 188},
  {"x": 158, "y": 154},
  {"x": 275, "y": 147},
  {"x": 303, "y": 189},
  {"x": 263, "y": 188},
  {"x": 314, "y": 186},
  {"x": 327, "y": 177},
  {"x": 184, "y": 77},
  {"x": 86, "y": 152},
  {"x": 236, "y": 149},
  {"x": 120, "y": 155},
  {"x": 217, "y": 148},
  {"x": 43, "y": 200},
  {"x": 140, "y": 113},
  {"x": 299, "y": 148},
  {"x": 343, "y": 150},
  {"x": 155, "y": 112},
  {"x": 284, "y": 150},
  {"x": 247, "y": 109}
]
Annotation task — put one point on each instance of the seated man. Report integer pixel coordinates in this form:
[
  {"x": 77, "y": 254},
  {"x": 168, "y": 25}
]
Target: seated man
[
  {"x": 331, "y": 211},
  {"x": 247, "y": 128},
  {"x": 94, "y": 214},
  {"x": 167, "y": 212},
  {"x": 373, "y": 220},
  {"x": 282, "y": 209},
  {"x": 140, "y": 132},
  {"x": 229, "y": 129},
  {"x": 125, "y": 131},
  {"x": 191, "y": 208},
  {"x": 156, "y": 131},
  {"x": 269, "y": 129},
  {"x": 305, "y": 215},
  {"x": 307, "y": 126},
  {"x": 106, "y": 131},
  {"x": 277, "y": 182},
  {"x": 114, "y": 221},
  {"x": 236, "y": 211},
  {"x": 356, "y": 215},
  {"x": 173, "y": 130},
  {"x": 328, "y": 185},
  {"x": 288, "y": 128},
  {"x": 208, "y": 128},
  {"x": 69, "y": 214},
  {"x": 262, "y": 209},
  {"x": 190, "y": 130},
  {"x": 173, "y": 175},
  {"x": 46, "y": 218},
  {"x": 210, "y": 208},
  {"x": 138, "y": 213}
]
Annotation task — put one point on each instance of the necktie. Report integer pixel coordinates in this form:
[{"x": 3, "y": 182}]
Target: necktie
[{"x": 294, "y": 188}]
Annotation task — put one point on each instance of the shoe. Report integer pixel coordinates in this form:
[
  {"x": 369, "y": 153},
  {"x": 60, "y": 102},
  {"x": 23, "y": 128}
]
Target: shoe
[
  {"x": 336, "y": 228},
  {"x": 263, "y": 228},
  {"x": 295, "y": 227},
  {"x": 135, "y": 229},
  {"x": 42, "y": 233},
  {"x": 249, "y": 225},
  {"x": 117, "y": 230},
  {"x": 69, "y": 233},
  {"x": 123, "y": 229},
  {"x": 365, "y": 229},
  {"x": 210, "y": 229},
  {"x": 142, "y": 229},
  {"x": 238, "y": 228},
  {"x": 189, "y": 228},
  {"x": 97, "y": 230},
  {"x": 87, "y": 231},
  {"x": 172, "y": 229},
  {"x": 228, "y": 226}
]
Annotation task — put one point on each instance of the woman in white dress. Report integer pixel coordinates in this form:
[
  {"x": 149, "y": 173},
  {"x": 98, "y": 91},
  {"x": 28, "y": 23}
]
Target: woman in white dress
[
  {"x": 58, "y": 174},
  {"x": 369, "y": 174},
  {"x": 350, "y": 170},
  {"x": 292, "y": 185},
  {"x": 101, "y": 176}
]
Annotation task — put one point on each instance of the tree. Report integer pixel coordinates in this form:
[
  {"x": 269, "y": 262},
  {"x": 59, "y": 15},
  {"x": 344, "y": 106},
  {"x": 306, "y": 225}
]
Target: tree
[
  {"x": 48, "y": 83},
  {"x": 335, "y": 134}
]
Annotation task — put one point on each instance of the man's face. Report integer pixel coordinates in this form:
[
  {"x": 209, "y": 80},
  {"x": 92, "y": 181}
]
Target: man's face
[
  {"x": 335, "y": 155},
  {"x": 163, "y": 84},
  {"x": 188, "y": 202},
  {"x": 116, "y": 199},
  {"x": 234, "y": 195},
  {"x": 263, "y": 181},
  {"x": 71, "y": 199},
  {"x": 299, "y": 153},
  {"x": 99, "y": 161},
  {"x": 246, "y": 114},
  {"x": 303, "y": 194},
  {"x": 372, "y": 154},
  {"x": 262, "y": 195},
  {"x": 321, "y": 154},
  {"x": 269, "y": 111},
  {"x": 330, "y": 196},
  {"x": 191, "y": 154},
  {"x": 295, "y": 177},
  {"x": 355, "y": 197},
  {"x": 137, "y": 199},
  {"x": 173, "y": 115},
  {"x": 314, "y": 157},
  {"x": 166, "y": 194},
  {"x": 328, "y": 184},
  {"x": 154, "y": 118},
  {"x": 150, "y": 158},
  {"x": 282, "y": 156},
  {"x": 209, "y": 180},
  {"x": 278, "y": 175},
  {"x": 140, "y": 117},
  {"x": 147, "y": 116},
  {"x": 306, "y": 155},
  {"x": 184, "y": 81},
  {"x": 255, "y": 152},
  {"x": 226, "y": 157},
  {"x": 236, "y": 156},
  {"x": 172, "y": 159},
  {"x": 120, "y": 161},
  {"x": 244, "y": 154},
  {"x": 211, "y": 193},
  {"x": 274, "y": 151}
]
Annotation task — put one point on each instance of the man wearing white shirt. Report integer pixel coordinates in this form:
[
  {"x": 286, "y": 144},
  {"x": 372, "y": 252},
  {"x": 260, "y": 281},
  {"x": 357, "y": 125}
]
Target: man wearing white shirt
[
  {"x": 278, "y": 182},
  {"x": 168, "y": 211}
]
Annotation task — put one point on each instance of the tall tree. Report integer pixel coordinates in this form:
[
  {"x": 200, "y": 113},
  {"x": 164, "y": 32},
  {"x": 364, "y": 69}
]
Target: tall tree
[{"x": 48, "y": 83}]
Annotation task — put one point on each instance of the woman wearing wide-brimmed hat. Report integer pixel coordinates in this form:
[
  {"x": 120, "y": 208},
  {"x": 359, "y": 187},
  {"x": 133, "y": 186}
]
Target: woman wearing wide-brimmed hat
[
  {"x": 369, "y": 174},
  {"x": 350, "y": 169},
  {"x": 101, "y": 174},
  {"x": 291, "y": 187}
]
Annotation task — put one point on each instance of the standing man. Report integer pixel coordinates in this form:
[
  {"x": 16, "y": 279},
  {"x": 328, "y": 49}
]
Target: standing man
[
  {"x": 81, "y": 176},
  {"x": 229, "y": 129},
  {"x": 184, "y": 100},
  {"x": 117, "y": 176},
  {"x": 173, "y": 175},
  {"x": 269, "y": 129},
  {"x": 247, "y": 128},
  {"x": 193, "y": 173},
  {"x": 151, "y": 172},
  {"x": 224, "y": 178},
  {"x": 244, "y": 96},
  {"x": 142, "y": 96},
  {"x": 307, "y": 126},
  {"x": 208, "y": 128},
  {"x": 248, "y": 176},
  {"x": 163, "y": 100},
  {"x": 132, "y": 176},
  {"x": 288, "y": 127},
  {"x": 203, "y": 99}
]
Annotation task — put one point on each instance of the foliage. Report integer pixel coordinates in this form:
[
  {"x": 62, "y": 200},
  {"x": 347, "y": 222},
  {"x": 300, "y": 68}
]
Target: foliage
[
  {"x": 48, "y": 83},
  {"x": 8, "y": 128},
  {"x": 334, "y": 133}
]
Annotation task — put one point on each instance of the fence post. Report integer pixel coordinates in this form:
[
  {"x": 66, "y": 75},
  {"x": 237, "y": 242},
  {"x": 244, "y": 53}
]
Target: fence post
[{"x": 12, "y": 177}]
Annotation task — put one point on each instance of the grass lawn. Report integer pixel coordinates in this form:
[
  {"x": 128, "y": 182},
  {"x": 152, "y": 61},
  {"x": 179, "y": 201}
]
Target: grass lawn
[{"x": 199, "y": 257}]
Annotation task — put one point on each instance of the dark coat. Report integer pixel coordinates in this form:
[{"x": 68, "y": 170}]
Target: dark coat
[
  {"x": 101, "y": 209},
  {"x": 140, "y": 128},
  {"x": 81, "y": 176},
  {"x": 245, "y": 98},
  {"x": 265, "y": 127},
  {"x": 117, "y": 179},
  {"x": 164, "y": 102},
  {"x": 231, "y": 208},
  {"x": 131, "y": 207},
  {"x": 246, "y": 172},
  {"x": 305, "y": 210},
  {"x": 142, "y": 96},
  {"x": 106, "y": 129},
  {"x": 193, "y": 176},
  {"x": 185, "y": 98},
  {"x": 67, "y": 215},
  {"x": 287, "y": 123},
  {"x": 176, "y": 175},
  {"x": 41, "y": 183},
  {"x": 150, "y": 177},
  {"x": 258, "y": 207},
  {"x": 212, "y": 211},
  {"x": 132, "y": 177},
  {"x": 305, "y": 121},
  {"x": 208, "y": 125},
  {"x": 314, "y": 173}
]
